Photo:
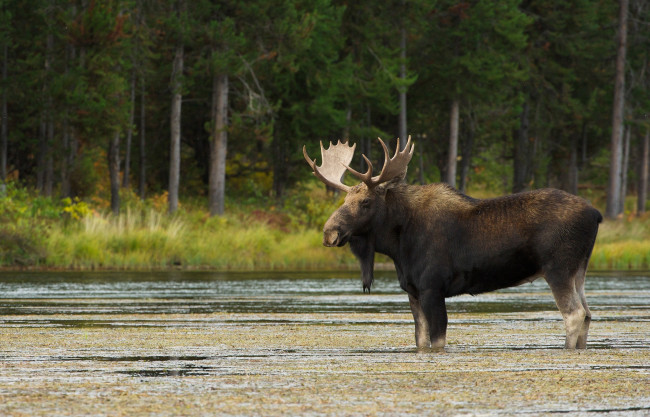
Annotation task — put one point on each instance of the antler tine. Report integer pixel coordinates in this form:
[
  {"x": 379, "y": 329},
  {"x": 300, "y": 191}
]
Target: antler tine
[
  {"x": 335, "y": 160},
  {"x": 395, "y": 166},
  {"x": 363, "y": 177}
]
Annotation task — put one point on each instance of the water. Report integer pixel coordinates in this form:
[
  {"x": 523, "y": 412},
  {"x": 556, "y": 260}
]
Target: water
[
  {"x": 310, "y": 344},
  {"x": 300, "y": 292}
]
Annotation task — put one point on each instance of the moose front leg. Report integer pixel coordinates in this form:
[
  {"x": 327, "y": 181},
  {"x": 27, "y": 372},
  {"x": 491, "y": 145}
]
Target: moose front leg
[
  {"x": 363, "y": 248},
  {"x": 435, "y": 311},
  {"x": 422, "y": 338}
]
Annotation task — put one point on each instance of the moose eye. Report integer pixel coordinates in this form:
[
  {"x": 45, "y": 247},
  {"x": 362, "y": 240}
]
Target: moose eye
[{"x": 365, "y": 203}]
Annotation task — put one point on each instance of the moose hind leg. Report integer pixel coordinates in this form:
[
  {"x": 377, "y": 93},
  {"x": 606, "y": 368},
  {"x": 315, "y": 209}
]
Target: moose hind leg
[
  {"x": 580, "y": 288},
  {"x": 422, "y": 340},
  {"x": 569, "y": 303}
]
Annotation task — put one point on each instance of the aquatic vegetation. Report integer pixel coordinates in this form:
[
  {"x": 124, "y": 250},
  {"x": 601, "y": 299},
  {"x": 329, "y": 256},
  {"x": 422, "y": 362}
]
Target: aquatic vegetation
[{"x": 134, "y": 351}]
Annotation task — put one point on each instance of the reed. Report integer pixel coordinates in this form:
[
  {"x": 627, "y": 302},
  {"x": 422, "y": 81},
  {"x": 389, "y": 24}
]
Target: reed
[
  {"x": 153, "y": 240},
  {"x": 622, "y": 244},
  {"x": 622, "y": 256}
]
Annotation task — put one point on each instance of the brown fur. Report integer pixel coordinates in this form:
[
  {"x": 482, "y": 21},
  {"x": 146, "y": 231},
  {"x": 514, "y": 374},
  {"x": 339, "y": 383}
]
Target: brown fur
[{"x": 445, "y": 243}]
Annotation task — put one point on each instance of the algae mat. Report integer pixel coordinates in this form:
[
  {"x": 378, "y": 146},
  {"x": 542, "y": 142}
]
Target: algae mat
[{"x": 322, "y": 350}]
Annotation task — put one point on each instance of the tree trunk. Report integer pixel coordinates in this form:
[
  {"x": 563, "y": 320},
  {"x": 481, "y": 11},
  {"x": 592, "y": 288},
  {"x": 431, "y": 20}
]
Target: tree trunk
[
  {"x": 69, "y": 138},
  {"x": 218, "y": 144},
  {"x": 366, "y": 141},
  {"x": 4, "y": 116},
  {"x": 279, "y": 167},
  {"x": 65, "y": 167},
  {"x": 143, "y": 149},
  {"x": 453, "y": 143},
  {"x": 466, "y": 152},
  {"x": 572, "y": 174},
  {"x": 143, "y": 123},
  {"x": 44, "y": 160},
  {"x": 175, "y": 123},
  {"x": 521, "y": 162},
  {"x": 402, "y": 92},
  {"x": 40, "y": 154},
  {"x": 624, "y": 169},
  {"x": 644, "y": 168},
  {"x": 613, "y": 206},
  {"x": 129, "y": 133},
  {"x": 48, "y": 180},
  {"x": 114, "y": 171}
]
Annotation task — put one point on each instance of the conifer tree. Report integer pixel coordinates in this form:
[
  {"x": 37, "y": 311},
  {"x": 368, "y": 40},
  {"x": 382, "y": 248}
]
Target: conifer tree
[{"x": 614, "y": 206}]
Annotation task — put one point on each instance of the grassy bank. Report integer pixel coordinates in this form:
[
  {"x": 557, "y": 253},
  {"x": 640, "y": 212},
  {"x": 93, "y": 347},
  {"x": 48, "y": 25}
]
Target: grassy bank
[
  {"x": 623, "y": 244},
  {"x": 137, "y": 240},
  {"x": 40, "y": 232},
  {"x": 48, "y": 233}
]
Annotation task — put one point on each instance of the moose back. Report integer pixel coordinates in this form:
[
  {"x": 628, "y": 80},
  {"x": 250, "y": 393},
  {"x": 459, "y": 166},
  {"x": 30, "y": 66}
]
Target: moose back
[{"x": 444, "y": 243}]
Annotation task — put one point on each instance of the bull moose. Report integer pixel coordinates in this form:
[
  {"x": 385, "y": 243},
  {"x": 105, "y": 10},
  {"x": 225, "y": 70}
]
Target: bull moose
[{"x": 444, "y": 243}]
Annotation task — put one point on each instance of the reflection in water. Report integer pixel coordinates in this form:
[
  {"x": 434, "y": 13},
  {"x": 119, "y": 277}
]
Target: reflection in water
[
  {"x": 180, "y": 292},
  {"x": 128, "y": 300}
]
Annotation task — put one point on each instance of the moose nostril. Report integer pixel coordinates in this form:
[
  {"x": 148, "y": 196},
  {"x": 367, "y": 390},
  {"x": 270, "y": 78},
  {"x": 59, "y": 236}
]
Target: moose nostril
[{"x": 330, "y": 238}]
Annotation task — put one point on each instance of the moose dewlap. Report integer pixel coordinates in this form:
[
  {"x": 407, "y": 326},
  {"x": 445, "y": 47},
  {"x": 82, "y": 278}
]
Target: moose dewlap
[{"x": 444, "y": 243}]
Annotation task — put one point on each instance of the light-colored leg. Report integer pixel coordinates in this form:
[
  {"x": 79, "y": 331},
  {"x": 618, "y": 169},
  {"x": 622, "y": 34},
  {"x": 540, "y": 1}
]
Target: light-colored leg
[
  {"x": 569, "y": 303},
  {"x": 421, "y": 326},
  {"x": 580, "y": 289}
]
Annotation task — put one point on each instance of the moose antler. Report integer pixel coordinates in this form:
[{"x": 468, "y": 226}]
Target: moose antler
[
  {"x": 335, "y": 161},
  {"x": 393, "y": 167},
  {"x": 337, "y": 158}
]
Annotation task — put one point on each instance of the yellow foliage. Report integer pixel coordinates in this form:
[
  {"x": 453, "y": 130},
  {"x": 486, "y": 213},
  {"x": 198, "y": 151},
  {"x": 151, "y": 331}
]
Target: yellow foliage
[
  {"x": 160, "y": 201},
  {"x": 75, "y": 208}
]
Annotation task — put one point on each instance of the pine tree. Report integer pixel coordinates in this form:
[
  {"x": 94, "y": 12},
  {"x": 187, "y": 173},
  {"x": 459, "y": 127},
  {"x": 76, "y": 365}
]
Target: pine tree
[
  {"x": 469, "y": 55},
  {"x": 5, "y": 40},
  {"x": 175, "y": 117},
  {"x": 614, "y": 207}
]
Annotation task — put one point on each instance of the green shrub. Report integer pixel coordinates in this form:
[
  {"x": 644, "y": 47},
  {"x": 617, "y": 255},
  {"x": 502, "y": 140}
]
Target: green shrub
[{"x": 24, "y": 247}]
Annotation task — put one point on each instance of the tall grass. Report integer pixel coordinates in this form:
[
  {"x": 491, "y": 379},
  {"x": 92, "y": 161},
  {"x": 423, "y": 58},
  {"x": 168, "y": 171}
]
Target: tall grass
[
  {"x": 35, "y": 231},
  {"x": 130, "y": 240},
  {"x": 622, "y": 244},
  {"x": 149, "y": 239}
]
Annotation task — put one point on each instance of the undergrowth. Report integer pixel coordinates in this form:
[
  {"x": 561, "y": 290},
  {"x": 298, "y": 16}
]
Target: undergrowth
[
  {"x": 623, "y": 244},
  {"x": 69, "y": 233}
]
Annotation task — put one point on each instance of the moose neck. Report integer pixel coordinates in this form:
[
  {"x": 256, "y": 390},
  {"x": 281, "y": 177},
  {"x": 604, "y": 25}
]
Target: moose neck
[
  {"x": 404, "y": 207},
  {"x": 382, "y": 236},
  {"x": 388, "y": 223}
]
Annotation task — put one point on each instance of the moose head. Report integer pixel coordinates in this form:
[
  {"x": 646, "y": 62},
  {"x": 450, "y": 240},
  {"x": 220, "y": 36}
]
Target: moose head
[
  {"x": 364, "y": 205},
  {"x": 363, "y": 200}
]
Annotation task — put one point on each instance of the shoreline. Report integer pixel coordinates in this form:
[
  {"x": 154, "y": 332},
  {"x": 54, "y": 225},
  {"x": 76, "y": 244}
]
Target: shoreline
[{"x": 383, "y": 267}]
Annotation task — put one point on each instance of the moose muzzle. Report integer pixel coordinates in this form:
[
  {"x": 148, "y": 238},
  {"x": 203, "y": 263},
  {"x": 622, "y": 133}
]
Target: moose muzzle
[{"x": 333, "y": 237}]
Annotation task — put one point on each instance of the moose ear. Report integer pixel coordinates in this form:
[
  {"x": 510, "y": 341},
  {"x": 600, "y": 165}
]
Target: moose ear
[{"x": 393, "y": 182}]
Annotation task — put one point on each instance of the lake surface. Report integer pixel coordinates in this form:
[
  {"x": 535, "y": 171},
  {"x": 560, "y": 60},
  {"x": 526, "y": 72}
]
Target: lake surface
[
  {"x": 278, "y": 292},
  {"x": 309, "y": 343}
]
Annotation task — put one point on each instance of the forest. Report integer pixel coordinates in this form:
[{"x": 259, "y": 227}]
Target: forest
[{"x": 209, "y": 103}]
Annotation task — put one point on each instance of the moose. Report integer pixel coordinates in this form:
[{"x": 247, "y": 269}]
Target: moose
[{"x": 444, "y": 243}]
